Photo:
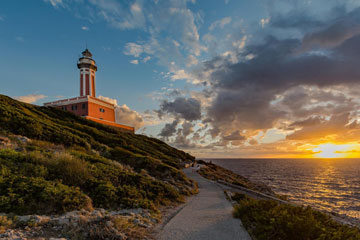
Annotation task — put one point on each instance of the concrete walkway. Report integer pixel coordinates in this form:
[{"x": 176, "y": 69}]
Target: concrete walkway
[{"x": 206, "y": 216}]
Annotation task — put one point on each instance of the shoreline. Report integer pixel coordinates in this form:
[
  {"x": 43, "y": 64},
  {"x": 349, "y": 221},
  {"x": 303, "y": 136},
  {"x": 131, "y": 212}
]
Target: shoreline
[{"x": 342, "y": 219}]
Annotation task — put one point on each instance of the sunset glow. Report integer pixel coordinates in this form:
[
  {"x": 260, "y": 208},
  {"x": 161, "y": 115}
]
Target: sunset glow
[{"x": 330, "y": 150}]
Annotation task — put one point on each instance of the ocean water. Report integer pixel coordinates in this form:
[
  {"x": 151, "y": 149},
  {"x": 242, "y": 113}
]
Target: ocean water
[{"x": 332, "y": 185}]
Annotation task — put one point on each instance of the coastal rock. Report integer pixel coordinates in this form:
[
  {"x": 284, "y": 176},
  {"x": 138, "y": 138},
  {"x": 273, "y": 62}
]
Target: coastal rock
[
  {"x": 24, "y": 219},
  {"x": 40, "y": 219}
]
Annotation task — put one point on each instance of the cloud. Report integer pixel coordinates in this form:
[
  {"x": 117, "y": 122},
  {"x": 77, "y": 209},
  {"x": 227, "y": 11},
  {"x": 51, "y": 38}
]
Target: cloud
[
  {"x": 133, "y": 49},
  {"x": 235, "y": 136},
  {"x": 337, "y": 128},
  {"x": 147, "y": 58},
  {"x": 31, "y": 98},
  {"x": 109, "y": 100},
  {"x": 85, "y": 28},
  {"x": 125, "y": 115},
  {"x": 180, "y": 74},
  {"x": 192, "y": 60},
  {"x": 264, "y": 22},
  {"x": 220, "y": 23},
  {"x": 121, "y": 15},
  {"x": 169, "y": 129},
  {"x": 186, "y": 108},
  {"x": 134, "y": 61},
  {"x": 305, "y": 95},
  {"x": 55, "y": 3}
]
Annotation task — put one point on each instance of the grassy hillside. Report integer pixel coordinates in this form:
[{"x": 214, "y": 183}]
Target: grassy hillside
[{"x": 72, "y": 163}]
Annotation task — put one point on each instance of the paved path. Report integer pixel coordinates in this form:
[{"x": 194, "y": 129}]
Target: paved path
[{"x": 206, "y": 216}]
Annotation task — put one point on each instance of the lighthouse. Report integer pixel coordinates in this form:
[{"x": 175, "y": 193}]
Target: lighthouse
[
  {"x": 87, "y": 105},
  {"x": 88, "y": 69}
]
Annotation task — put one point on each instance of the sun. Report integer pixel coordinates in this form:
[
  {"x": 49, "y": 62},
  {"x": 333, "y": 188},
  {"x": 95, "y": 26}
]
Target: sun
[{"x": 331, "y": 150}]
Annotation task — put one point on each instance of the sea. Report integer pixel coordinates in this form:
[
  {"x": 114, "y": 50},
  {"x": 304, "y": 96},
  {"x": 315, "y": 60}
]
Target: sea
[{"x": 331, "y": 185}]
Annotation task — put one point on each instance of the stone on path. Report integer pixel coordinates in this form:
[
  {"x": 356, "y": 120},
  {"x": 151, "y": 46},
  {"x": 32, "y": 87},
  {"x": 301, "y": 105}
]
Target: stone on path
[{"x": 206, "y": 216}]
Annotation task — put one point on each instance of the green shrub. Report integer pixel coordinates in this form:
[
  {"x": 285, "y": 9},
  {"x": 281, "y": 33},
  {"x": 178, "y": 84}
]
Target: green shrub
[
  {"x": 26, "y": 195},
  {"x": 267, "y": 219}
]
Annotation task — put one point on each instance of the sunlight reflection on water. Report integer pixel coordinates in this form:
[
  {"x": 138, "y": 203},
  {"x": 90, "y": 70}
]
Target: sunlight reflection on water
[{"x": 332, "y": 185}]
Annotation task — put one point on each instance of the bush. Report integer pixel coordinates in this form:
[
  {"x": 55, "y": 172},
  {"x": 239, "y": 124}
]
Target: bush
[
  {"x": 27, "y": 195},
  {"x": 267, "y": 219}
]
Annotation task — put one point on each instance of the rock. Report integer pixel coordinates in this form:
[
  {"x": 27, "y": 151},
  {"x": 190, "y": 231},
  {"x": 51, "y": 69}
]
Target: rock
[
  {"x": 40, "y": 219},
  {"x": 24, "y": 219},
  {"x": 22, "y": 139},
  {"x": 52, "y": 238},
  {"x": 61, "y": 221},
  {"x": 144, "y": 225},
  {"x": 72, "y": 214},
  {"x": 97, "y": 213},
  {"x": 109, "y": 224}
]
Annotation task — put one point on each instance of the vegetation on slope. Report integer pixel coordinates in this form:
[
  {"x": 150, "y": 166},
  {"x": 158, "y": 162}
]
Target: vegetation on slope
[
  {"x": 72, "y": 163},
  {"x": 269, "y": 220}
]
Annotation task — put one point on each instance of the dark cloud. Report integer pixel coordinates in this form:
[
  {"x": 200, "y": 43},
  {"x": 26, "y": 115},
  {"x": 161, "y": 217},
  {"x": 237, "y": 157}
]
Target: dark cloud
[
  {"x": 289, "y": 83},
  {"x": 336, "y": 126},
  {"x": 169, "y": 129},
  {"x": 186, "y": 108},
  {"x": 300, "y": 20},
  {"x": 311, "y": 121},
  {"x": 235, "y": 136}
]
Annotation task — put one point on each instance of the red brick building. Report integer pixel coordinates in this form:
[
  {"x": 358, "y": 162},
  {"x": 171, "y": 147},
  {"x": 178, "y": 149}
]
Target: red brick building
[{"x": 87, "y": 105}]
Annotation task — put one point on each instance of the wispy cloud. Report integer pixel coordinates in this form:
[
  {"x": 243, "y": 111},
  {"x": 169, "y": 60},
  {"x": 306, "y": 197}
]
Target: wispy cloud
[
  {"x": 85, "y": 28},
  {"x": 145, "y": 59},
  {"x": 220, "y": 23},
  {"x": 134, "y": 61},
  {"x": 264, "y": 21},
  {"x": 55, "y": 3},
  {"x": 31, "y": 98},
  {"x": 133, "y": 49}
]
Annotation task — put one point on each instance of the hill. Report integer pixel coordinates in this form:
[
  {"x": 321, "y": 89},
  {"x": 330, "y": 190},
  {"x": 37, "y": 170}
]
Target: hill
[{"x": 52, "y": 161}]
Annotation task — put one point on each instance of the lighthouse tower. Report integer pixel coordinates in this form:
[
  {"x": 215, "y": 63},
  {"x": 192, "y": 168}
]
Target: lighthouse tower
[
  {"x": 87, "y": 105},
  {"x": 87, "y": 68}
]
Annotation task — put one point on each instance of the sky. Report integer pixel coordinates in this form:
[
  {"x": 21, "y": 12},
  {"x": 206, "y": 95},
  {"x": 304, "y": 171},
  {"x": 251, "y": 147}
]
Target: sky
[{"x": 216, "y": 78}]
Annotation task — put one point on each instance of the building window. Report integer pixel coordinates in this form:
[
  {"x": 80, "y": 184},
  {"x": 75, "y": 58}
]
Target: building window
[
  {"x": 102, "y": 110},
  {"x": 74, "y": 107},
  {"x": 65, "y": 108},
  {"x": 83, "y": 106}
]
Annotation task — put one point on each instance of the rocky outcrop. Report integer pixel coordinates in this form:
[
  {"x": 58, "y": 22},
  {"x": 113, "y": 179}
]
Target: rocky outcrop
[{"x": 96, "y": 224}]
